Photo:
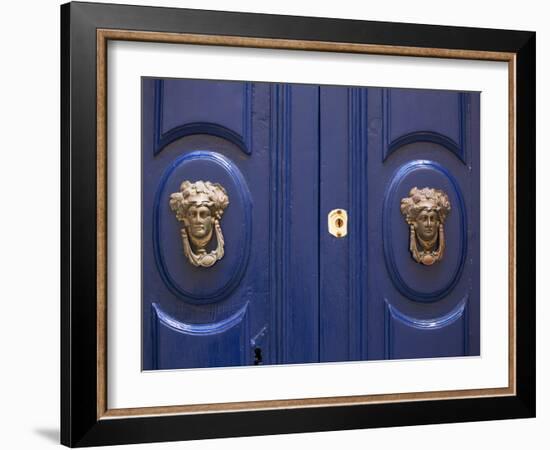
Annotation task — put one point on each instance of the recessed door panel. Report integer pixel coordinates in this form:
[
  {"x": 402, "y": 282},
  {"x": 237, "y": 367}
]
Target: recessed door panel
[
  {"x": 412, "y": 337},
  {"x": 191, "y": 282},
  {"x": 412, "y": 115},
  {"x": 181, "y": 112},
  {"x": 418, "y": 281},
  {"x": 178, "y": 345}
]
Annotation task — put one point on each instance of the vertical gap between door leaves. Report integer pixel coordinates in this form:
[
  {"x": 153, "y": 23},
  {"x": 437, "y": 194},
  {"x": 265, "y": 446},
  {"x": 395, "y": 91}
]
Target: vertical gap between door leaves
[{"x": 319, "y": 224}]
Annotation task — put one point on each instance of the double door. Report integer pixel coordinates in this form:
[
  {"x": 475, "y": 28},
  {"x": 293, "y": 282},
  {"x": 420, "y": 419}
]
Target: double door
[{"x": 278, "y": 223}]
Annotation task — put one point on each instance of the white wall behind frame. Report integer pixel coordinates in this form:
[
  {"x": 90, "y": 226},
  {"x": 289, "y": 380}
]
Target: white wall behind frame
[{"x": 30, "y": 236}]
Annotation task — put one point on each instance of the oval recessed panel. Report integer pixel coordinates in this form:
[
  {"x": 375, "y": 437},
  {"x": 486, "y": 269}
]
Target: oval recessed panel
[
  {"x": 417, "y": 281},
  {"x": 203, "y": 284}
]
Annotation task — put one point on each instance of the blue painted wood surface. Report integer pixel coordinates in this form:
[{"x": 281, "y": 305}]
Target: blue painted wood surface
[{"x": 286, "y": 290}]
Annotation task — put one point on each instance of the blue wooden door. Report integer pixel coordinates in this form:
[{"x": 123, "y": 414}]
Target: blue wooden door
[
  {"x": 376, "y": 300},
  {"x": 239, "y": 267},
  {"x": 257, "y": 145}
]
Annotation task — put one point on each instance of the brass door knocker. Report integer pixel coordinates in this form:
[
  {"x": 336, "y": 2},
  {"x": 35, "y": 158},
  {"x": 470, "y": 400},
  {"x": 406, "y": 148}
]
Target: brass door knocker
[
  {"x": 425, "y": 211},
  {"x": 200, "y": 206}
]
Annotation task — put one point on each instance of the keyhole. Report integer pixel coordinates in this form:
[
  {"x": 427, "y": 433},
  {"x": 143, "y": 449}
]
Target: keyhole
[
  {"x": 257, "y": 356},
  {"x": 338, "y": 222}
]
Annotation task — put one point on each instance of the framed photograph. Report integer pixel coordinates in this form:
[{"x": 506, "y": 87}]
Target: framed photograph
[{"x": 277, "y": 224}]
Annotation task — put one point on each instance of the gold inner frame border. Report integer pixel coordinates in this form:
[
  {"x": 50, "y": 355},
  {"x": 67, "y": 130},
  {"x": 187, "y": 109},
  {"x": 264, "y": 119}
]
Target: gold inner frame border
[{"x": 105, "y": 35}]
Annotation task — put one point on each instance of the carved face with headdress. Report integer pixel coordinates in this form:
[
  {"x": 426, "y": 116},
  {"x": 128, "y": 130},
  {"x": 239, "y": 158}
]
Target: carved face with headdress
[
  {"x": 200, "y": 206},
  {"x": 425, "y": 211}
]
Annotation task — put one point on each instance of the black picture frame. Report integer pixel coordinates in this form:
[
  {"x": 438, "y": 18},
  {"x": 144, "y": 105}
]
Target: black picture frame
[{"x": 82, "y": 421}]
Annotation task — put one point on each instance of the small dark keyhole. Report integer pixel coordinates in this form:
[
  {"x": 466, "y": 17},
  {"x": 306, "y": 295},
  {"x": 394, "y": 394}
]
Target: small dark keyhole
[
  {"x": 339, "y": 223},
  {"x": 257, "y": 356}
]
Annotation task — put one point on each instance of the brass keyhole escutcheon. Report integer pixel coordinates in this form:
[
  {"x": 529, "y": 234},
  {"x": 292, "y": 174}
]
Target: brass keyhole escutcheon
[{"x": 338, "y": 223}]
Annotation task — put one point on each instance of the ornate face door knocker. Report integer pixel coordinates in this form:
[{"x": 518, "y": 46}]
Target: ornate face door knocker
[
  {"x": 425, "y": 211},
  {"x": 200, "y": 206}
]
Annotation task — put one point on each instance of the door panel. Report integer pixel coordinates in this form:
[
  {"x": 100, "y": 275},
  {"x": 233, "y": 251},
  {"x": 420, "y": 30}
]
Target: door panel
[
  {"x": 198, "y": 284},
  {"x": 213, "y": 344},
  {"x": 343, "y": 261},
  {"x": 187, "y": 309},
  {"x": 417, "y": 281},
  {"x": 423, "y": 139},
  {"x": 413, "y": 115},
  {"x": 410, "y": 337},
  {"x": 294, "y": 228},
  {"x": 259, "y": 301},
  {"x": 182, "y": 111}
]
